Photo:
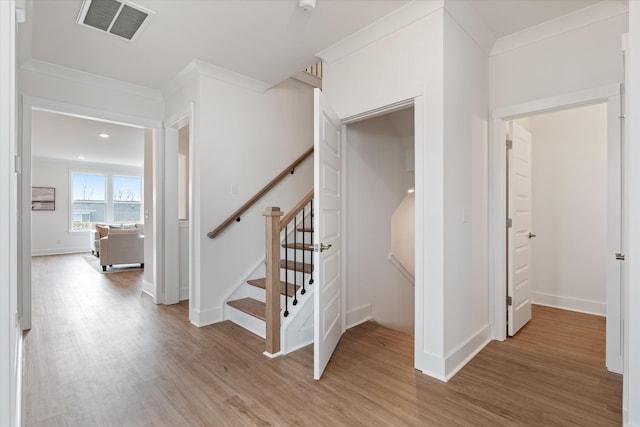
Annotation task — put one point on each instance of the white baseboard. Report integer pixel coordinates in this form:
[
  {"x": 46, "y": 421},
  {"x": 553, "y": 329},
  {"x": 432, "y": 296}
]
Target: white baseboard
[
  {"x": 572, "y": 304},
  {"x": 147, "y": 288},
  {"x": 459, "y": 357},
  {"x": 206, "y": 317},
  {"x": 59, "y": 251},
  {"x": 358, "y": 315},
  {"x": 18, "y": 406},
  {"x": 431, "y": 365}
]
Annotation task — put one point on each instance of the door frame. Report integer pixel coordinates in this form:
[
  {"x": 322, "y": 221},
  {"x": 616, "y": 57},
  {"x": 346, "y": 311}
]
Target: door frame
[
  {"x": 171, "y": 207},
  {"x": 417, "y": 102},
  {"x": 29, "y": 103},
  {"x": 610, "y": 94}
]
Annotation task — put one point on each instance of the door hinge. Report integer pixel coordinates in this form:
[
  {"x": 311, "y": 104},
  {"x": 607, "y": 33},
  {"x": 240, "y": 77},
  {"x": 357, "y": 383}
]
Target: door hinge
[
  {"x": 509, "y": 144},
  {"x": 509, "y": 223},
  {"x": 17, "y": 164},
  {"x": 509, "y": 301}
]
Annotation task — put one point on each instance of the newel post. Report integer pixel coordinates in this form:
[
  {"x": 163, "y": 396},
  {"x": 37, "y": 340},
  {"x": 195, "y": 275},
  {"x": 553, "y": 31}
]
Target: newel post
[{"x": 272, "y": 267}]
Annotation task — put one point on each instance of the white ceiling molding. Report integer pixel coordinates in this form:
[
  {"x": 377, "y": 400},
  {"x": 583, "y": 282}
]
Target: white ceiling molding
[
  {"x": 37, "y": 66},
  {"x": 469, "y": 21},
  {"x": 563, "y": 24},
  {"x": 231, "y": 77},
  {"x": 188, "y": 74},
  {"x": 399, "y": 18}
]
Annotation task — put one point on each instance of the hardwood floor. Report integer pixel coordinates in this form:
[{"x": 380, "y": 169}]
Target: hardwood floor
[{"x": 102, "y": 354}]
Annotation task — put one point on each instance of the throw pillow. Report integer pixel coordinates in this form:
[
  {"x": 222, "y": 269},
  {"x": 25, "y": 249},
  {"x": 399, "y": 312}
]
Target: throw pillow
[{"x": 103, "y": 230}]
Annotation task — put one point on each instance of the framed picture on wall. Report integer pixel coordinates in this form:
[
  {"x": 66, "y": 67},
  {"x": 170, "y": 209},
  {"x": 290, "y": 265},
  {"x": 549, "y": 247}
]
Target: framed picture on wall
[{"x": 43, "y": 199}]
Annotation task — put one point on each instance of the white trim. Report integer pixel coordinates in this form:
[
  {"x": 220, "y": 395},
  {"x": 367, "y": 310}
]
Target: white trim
[
  {"x": 563, "y": 24},
  {"x": 461, "y": 355},
  {"x": 231, "y": 77},
  {"x": 59, "y": 251},
  {"x": 47, "y": 68},
  {"x": 206, "y": 317},
  {"x": 245, "y": 320},
  {"x": 10, "y": 338},
  {"x": 466, "y": 18},
  {"x": 272, "y": 355},
  {"x": 397, "y": 19},
  {"x": 398, "y": 265},
  {"x": 555, "y": 103},
  {"x": 146, "y": 288},
  {"x": 185, "y": 76},
  {"x": 171, "y": 236},
  {"x": 358, "y": 315},
  {"x": 19, "y": 368},
  {"x": 596, "y": 308}
]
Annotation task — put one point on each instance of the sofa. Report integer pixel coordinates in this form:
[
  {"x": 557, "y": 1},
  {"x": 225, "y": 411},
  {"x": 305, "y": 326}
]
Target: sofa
[
  {"x": 119, "y": 245},
  {"x": 102, "y": 230}
]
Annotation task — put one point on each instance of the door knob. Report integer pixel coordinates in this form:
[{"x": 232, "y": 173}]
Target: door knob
[
  {"x": 531, "y": 235},
  {"x": 319, "y": 247}
]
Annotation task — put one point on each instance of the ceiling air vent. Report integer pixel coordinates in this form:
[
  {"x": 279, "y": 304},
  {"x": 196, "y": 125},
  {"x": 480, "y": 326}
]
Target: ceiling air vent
[{"x": 119, "y": 17}]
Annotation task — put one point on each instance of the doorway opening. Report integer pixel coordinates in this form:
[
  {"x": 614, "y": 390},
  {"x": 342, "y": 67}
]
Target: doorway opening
[
  {"x": 379, "y": 169},
  {"x": 70, "y": 218},
  {"x": 573, "y": 227}
]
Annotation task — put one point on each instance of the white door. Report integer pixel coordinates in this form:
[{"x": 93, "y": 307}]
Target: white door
[
  {"x": 519, "y": 234},
  {"x": 327, "y": 327}
]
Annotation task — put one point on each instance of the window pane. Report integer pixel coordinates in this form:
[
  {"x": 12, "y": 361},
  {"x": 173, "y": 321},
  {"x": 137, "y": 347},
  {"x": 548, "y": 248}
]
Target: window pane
[
  {"x": 127, "y": 199},
  {"x": 88, "y": 205},
  {"x": 127, "y": 189},
  {"x": 88, "y": 187}
]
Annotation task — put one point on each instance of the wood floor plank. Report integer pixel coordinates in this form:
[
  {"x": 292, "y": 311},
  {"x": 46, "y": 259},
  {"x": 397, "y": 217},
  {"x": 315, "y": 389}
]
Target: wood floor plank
[{"x": 102, "y": 354}]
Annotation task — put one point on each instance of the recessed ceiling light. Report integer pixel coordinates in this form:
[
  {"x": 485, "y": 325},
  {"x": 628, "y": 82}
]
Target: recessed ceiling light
[
  {"x": 81, "y": 157},
  {"x": 104, "y": 135}
]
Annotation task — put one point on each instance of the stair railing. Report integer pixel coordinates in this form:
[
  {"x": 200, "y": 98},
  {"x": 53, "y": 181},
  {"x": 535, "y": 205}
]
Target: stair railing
[
  {"x": 280, "y": 230},
  {"x": 235, "y": 217}
]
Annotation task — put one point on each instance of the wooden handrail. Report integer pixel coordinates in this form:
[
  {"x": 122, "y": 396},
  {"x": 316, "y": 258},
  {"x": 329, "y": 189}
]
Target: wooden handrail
[
  {"x": 295, "y": 210},
  {"x": 236, "y": 215}
]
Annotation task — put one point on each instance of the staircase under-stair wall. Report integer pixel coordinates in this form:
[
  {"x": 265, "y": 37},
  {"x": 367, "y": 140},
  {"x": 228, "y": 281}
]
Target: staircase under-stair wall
[{"x": 247, "y": 305}]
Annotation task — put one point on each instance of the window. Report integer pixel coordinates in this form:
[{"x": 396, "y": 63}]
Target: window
[
  {"x": 104, "y": 198},
  {"x": 88, "y": 204},
  {"x": 127, "y": 199}
]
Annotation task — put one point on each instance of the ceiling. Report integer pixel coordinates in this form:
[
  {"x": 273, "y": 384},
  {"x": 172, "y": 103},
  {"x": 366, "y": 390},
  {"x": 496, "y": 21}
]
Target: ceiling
[
  {"x": 64, "y": 137},
  {"x": 268, "y": 40}
]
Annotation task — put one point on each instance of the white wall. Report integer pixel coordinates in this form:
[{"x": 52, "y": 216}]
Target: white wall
[
  {"x": 569, "y": 217},
  {"x": 377, "y": 182},
  {"x": 466, "y": 111},
  {"x": 575, "y": 60},
  {"x": 632, "y": 332},
  {"x": 243, "y": 137},
  {"x": 50, "y": 229},
  {"x": 440, "y": 61}
]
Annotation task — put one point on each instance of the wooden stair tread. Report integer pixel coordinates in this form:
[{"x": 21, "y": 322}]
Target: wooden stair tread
[
  {"x": 262, "y": 283},
  {"x": 298, "y": 246},
  {"x": 296, "y": 266},
  {"x": 250, "y": 306},
  {"x": 305, "y": 229}
]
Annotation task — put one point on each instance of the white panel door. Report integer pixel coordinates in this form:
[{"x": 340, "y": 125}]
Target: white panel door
[
  {"x": 326, "y": 224},
  {"x": 519, "y": 234}
]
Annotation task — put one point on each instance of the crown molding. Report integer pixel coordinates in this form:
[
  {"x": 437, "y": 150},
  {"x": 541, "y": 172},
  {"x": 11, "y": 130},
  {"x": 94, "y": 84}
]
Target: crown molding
[
  {"x": 188, "y": 74},
  {"x": 59, "y": 71},
  {"x": 468, "y": 20},
  {"x": 231, "y": 77},
  {"x": 386, "y": 25},
  {"x": 563, "y": 24}
]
